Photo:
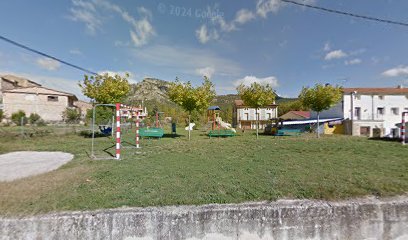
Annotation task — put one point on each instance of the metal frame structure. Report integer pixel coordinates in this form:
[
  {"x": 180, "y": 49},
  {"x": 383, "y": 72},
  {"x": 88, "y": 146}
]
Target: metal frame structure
[
  {"x": 403, "y": 133},
  {"x": 117, "y": 145}
]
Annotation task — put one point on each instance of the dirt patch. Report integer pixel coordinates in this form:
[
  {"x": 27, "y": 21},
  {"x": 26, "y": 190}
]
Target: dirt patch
[{"x": 17, "y": 165}]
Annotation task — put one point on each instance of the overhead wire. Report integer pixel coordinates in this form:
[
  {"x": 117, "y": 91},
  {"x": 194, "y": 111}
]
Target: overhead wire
[
  {"x": 347, "y": 13},
  {"x": 46, "y": 55}
]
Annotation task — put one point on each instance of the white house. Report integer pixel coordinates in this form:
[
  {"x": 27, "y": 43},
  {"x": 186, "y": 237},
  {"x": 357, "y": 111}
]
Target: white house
[
  {"x": 372, "y": 112},
  {"x": 244, "y": 117}
]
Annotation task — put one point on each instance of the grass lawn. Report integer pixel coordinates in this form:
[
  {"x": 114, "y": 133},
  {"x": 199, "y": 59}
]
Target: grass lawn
[{"x": 174, "y": 171}]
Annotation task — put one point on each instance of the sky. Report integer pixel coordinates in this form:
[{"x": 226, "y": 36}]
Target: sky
[{"x": 231, "y": 42}]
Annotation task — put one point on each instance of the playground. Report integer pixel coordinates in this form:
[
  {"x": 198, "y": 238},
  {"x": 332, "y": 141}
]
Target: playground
[{"x": 174, "y": 171}]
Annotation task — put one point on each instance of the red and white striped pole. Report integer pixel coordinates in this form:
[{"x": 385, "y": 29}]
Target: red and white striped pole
[
  {"x": 118, "y": 131},
  {"x": 403, "y": 135},
  {"x": 137, "y": 129}
]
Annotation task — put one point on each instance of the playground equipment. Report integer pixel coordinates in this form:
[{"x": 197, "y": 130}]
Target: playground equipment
[
  {"x": 156, "y": 132},
  {"x": 105, "y": 129},
  {"x": 213, "y": 116},
  {"x": 403, "y": 135},
  {"x": 122, "y": 111},
  {"x": 190, "y": 127},
  {"x": 276, "y": 128}
]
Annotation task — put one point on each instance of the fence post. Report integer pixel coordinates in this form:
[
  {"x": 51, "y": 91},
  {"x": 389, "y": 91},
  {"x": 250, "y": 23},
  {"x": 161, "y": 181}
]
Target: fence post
[
  {"x": 403, "y": 135},
  {"x": 117, "y": 131},
  {"x": 137, "y": 129}
]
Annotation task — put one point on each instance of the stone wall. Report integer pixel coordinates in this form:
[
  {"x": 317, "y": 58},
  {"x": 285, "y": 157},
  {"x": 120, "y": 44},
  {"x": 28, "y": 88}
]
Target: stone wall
[
  {"x": 368, "y": 218},
  {"x": 35, "y": 103}
]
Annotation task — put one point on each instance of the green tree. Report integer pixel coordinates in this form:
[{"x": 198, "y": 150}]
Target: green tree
[
  {"x": 105, "y": 89},
  {"x": 192, "y": 98},
  {"x": 1, "y": 115},
  {"x": 34, "y": 118},
  {"x": 320, "y": 98},
  {"x": 256, "y": 96},
  {"x": 19, "y": 118},
  {"x": 71, "y": 115}
]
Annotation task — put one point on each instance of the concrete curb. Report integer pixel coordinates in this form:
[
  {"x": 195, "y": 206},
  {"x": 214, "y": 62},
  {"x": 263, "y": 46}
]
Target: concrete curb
[{"x": 366, "y": 218}]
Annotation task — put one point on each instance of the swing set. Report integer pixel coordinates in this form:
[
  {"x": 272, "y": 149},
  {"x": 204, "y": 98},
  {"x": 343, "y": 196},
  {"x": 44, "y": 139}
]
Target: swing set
[{"x": 122, "y": 112}]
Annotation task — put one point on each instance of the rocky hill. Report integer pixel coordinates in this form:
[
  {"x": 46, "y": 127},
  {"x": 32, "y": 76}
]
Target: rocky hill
[
  {"x": 150, "y": 89},
  {"x": 155, "y": 90}
]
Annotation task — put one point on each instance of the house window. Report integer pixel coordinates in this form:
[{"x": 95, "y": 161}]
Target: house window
[
  {"x": 52, "y": 98},
  {"x": 365, "y": 131},
  {"x": 395, "y": 111},
  {"x": 380, "y": 111},
  {"x": 381, "y": 97},
  {"x": 357, "y": 113},
  {"x": 405, "y": 109}
]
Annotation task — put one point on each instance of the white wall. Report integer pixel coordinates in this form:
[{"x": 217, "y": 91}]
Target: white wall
[
  {"x": 369, "y": 105},
  {"x": 263, "y": 113}
]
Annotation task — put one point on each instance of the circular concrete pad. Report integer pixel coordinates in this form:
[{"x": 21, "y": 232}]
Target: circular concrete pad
[{"x": 17, "y": 165}]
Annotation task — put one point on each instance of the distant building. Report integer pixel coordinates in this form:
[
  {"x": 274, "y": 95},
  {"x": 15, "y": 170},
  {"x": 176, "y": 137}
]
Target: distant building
[
  {"x": 296, "y": 115},
  {"x": 244, "y": 116},
  {"x": 48, "y": 103},
  {"x": 9, "y": 82},
  {"x": 371, "y": 112},
  {"x": 83, "y": 107}
]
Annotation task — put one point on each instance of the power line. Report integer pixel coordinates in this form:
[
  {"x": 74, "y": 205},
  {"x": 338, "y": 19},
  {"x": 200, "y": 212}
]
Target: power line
[
  {"x": 46, "y": 55},
  {"x": 348, "y": 14}
]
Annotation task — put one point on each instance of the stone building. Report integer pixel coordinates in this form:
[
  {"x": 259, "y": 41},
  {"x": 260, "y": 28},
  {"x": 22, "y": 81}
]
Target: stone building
[{"x": 48, "y": 103}]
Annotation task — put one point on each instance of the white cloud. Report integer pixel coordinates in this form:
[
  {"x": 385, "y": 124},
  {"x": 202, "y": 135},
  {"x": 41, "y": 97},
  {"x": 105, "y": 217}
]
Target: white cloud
[
  {"x": 203, "y": 34},
  {"x": 90, "y": 13},
  {"x": 327, "y": 47},
  {"x": 75, "y": 52},
  {"x": 244, "y": 16},
  {"x": 207, "y": 71},
  {"x": 396, "y": 72},
  {"x": 85, "y": 12},
  {"x": 336, "y": 54},
  {"x": 142, "y": 29},
  {"x": 48, "y": 63},
  {"x": 353, "y": 61},
  {"x": 120, "y": 73},
  {"x": 263, "y": 7},
  {"x": 187, "y": 60},
  {"x": 248, "y": 80}
]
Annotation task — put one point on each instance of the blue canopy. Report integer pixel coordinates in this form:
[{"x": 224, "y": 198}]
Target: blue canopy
[{"x": 214, "y": 108}]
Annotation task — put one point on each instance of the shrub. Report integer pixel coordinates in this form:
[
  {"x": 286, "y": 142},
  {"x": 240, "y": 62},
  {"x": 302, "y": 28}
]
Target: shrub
[
  {"x": 18, "y": 116},
  {"x": 71, "y": 115},
  {"x": 1, "y": 115},
  {"x": 34, "y": 118}
]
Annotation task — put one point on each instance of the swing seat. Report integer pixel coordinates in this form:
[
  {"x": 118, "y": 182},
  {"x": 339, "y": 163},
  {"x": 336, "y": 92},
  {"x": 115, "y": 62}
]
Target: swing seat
[{"x": 105, "y": 129}]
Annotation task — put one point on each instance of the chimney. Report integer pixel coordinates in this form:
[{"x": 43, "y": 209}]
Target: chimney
[{"x": 400, "y": 86}]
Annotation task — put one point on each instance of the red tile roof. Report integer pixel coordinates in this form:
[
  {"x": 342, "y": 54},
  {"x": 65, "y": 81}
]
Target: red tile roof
[
  {"x": 377, "y": 90},
  {"x": 304, "y": 114}
]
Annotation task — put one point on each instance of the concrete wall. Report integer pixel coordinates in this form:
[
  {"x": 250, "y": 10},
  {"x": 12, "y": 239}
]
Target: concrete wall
[
  {"x": 290, "y": 219},
  {"x": 33, "y": 103},
  {"x": 369, "y": 105}
]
